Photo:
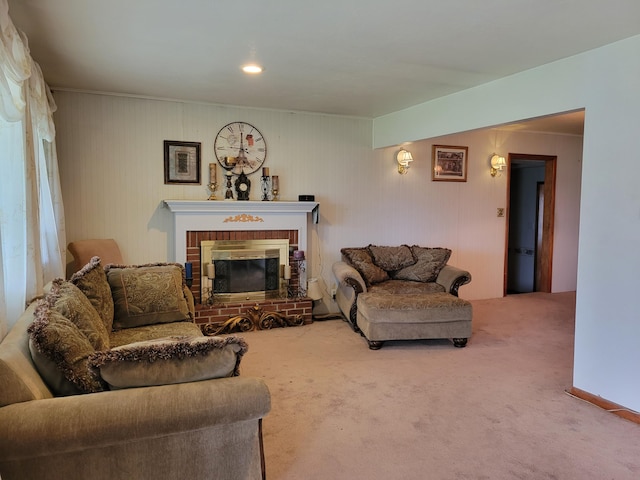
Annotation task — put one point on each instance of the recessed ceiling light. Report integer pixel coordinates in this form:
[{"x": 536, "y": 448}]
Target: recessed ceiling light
[{"x": 252, "y": 68}]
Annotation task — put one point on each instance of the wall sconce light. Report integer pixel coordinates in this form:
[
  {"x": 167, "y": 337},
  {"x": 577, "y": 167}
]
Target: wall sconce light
[
  {"x": 497, "y": 164},
  {"x": 404, "y": 159}
]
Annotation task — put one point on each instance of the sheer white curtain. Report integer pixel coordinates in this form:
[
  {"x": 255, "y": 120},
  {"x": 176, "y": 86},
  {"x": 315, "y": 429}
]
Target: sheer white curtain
[{"x": 31, "y": 211}]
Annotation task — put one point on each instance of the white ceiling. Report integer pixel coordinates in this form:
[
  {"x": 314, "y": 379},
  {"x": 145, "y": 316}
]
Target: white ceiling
[{"x": 347, "y": 57}]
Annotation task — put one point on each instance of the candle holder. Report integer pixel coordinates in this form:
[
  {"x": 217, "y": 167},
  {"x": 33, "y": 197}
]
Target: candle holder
[
  {"x": 207, "y": 293},
  {"x": 265, "y": 183},
  {"x": 229, "y": 193},
  {"x": 300, "y": 265},
  {"x": 212, "y": 191},
  {"x": 275, "y": 188},
  {"x": 286, "y": 278}
]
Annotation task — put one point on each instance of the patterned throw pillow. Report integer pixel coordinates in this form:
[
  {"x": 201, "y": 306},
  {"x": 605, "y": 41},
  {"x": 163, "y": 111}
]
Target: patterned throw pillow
[
  {"x": 362, "y": 261},
  {"x": 92, "y": 281},
  {"x": 60, "y": 352},
  {"x": 147, "y": 294},
  {"x": 170, "y": 360},
  {"x": 428, "y": 265},
  {"x": 67, "y": 299},
  {"x": 392, "y": 258}
]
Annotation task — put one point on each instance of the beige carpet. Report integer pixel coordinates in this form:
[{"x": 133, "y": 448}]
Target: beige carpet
[{"x": 496, "y": 409}]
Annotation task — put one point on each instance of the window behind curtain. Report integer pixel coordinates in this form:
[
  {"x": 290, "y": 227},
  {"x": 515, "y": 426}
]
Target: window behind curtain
[
  {"x": 12, "y": 222},
  {"x": 32, "y": 238}
]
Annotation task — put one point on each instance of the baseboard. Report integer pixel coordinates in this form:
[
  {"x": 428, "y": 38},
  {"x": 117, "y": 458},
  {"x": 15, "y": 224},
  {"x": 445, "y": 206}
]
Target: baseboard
[{"x": 611, "y": 407}]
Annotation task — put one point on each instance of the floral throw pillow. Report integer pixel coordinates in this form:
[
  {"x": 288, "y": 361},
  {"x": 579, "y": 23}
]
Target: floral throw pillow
[
  {"x": 92, "y": 281},
  {"x": 61, "y": 352},
  {"x": 147, "y": 294},
  {"x": 362, "y": 261},
  {"x": 392, "y": 258},
  {"x": 428, "y": 265},
  {"x": 169, "y": 360},
  {"x": 67, "y": 299}
]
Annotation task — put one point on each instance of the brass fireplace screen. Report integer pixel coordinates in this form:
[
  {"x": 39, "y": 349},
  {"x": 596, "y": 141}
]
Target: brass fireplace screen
[{"x": 244, "y": 269}]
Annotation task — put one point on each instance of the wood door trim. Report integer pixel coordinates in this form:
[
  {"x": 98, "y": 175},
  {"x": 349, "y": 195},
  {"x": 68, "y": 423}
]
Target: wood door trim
[
  {"x": 539, "y": 234},
  {"x": 505, "y": 274}
]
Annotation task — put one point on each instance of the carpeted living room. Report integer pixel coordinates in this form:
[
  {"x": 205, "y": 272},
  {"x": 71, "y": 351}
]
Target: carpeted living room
[
  {"x": 498, "y": 408},
  {"x": 359, "y": 239}
]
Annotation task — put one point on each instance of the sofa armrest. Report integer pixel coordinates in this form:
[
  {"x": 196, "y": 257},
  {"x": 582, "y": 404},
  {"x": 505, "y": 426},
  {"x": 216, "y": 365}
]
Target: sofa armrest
[
  {"x": 348, "y": 275},
  {"x": 60, "y": 426},
  {"x": 452, "y": 278},
  {"x": 350, "y": 284}
]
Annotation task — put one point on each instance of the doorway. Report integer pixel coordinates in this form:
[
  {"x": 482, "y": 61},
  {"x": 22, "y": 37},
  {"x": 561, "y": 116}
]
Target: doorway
[{"x": 530, "y": 222}]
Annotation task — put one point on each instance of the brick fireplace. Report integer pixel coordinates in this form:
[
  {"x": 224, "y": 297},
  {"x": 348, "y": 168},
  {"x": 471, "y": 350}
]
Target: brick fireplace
[{"x": 197, "y": 221}]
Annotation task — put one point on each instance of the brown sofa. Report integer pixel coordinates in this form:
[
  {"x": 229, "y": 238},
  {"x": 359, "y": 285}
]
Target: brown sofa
[
  {"x": 402, "y": 293},
  {"x": 173, "y": 408}
]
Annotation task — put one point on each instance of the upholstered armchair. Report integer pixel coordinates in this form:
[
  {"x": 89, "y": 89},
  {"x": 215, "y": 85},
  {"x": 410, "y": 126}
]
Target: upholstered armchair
[{"x": 84, "y": 250}]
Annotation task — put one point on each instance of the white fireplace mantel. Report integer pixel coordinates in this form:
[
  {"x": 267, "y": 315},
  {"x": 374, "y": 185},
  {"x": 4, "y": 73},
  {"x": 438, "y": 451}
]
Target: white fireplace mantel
[{"x": 205, "y": 215}]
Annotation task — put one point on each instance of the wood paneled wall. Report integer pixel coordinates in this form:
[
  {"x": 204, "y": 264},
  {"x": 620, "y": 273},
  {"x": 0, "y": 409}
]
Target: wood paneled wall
[{"x": 110, "y": 150}]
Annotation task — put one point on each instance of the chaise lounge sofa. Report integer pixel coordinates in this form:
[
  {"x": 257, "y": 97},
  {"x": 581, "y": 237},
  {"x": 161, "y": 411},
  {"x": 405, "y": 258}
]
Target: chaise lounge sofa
[
  {"x": 92, "y": 394},
  {"x": 402, "y": 293}
]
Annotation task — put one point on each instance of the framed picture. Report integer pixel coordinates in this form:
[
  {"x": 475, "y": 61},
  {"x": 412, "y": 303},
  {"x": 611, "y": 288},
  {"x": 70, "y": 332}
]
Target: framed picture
[
  {"x": 181, "y": 162},
  {"x": 449, "y": 164}
]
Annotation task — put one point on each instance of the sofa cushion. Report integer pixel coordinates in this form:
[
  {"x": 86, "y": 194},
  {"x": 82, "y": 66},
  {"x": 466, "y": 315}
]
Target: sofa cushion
[
  {"x": 60, "y": 352},
  {"x": 150, "y": 332},
  {"x": 92, "y": 281},
  {"x": 170, "y": 360},
  {"x": 392, "y": 258},
  {"x": 67, "y": 299},
  {"x": 428, "y": 265},
  {"x": 362, "y": 261},
  {"x": 406, "y": 287},
  {"x": 147, "y": 294}
]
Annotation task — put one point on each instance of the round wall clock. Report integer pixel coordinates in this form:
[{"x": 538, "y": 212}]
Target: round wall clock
[{"x": 240, "y": 148}]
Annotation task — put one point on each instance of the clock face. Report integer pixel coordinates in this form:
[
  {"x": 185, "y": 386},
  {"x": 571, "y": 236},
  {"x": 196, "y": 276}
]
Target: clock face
[{"x": 240, "y": 148}]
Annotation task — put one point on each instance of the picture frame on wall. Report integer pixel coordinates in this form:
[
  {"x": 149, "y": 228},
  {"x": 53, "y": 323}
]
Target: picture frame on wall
[
  {"x": 181, "y": 162},
  {"x": 449, "y": 163}
]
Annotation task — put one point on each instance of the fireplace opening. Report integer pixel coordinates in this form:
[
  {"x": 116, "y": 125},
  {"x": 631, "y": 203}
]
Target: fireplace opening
[
  {"x": 250, "y": 272},
  {"x": 244, "y": 269}
]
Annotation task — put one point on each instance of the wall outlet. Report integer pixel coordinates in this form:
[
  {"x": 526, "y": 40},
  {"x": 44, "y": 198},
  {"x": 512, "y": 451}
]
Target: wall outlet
[{"x": 500, "y": 212}]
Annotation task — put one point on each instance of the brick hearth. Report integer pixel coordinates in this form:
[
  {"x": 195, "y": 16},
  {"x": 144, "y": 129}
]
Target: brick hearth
[{"x": 218, "y": 314}]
